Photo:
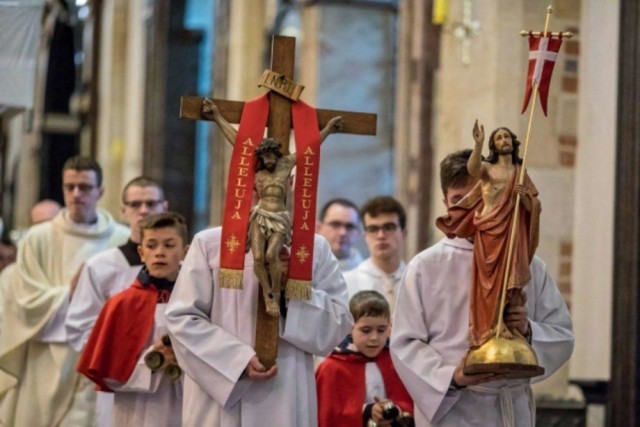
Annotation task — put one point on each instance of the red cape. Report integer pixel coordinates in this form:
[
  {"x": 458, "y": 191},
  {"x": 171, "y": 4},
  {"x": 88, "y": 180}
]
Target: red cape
[
  {"x": 340, "y": 382},
  {"x": 119, "y": 335}
]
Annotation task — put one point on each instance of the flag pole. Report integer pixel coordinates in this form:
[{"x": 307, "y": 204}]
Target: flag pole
[{"x": 516, "y": 209}]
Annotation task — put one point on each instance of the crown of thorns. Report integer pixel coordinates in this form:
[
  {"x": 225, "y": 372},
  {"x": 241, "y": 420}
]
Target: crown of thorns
[{"x": 268, "y": 145}]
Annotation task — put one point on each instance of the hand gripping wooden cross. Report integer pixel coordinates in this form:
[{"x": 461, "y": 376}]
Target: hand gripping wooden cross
[{"x": 283, "y": 91}]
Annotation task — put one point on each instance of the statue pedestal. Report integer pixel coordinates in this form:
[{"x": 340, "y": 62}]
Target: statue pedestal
[{"x": 513, "y": 358}]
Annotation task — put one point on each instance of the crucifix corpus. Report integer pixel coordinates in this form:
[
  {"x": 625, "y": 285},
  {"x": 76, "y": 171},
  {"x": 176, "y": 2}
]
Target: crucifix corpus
[
  {"x": 264, "y": 165},
  {"x": 502, "y": 214}
]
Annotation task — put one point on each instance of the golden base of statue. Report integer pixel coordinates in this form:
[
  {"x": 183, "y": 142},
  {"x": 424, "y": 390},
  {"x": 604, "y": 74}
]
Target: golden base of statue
[{"x": 513, "y": 358}]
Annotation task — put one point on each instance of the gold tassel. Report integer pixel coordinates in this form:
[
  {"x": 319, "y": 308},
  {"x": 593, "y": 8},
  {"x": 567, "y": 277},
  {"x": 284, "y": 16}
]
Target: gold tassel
[
  {"x": 230, "y": 279},
  {"x": 298, "y": 289}
]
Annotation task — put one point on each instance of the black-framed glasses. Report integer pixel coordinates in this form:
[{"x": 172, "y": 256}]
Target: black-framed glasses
[
  {"x": 349, "y": 226},
  {"x": 137, "y": 204},
  {"x": 84, "y": 188},
  {"x": 387, "y": 227}
]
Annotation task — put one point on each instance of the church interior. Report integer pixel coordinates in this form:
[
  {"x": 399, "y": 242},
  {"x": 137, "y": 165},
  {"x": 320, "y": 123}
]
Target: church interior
[{"x": 104, "y": 78}]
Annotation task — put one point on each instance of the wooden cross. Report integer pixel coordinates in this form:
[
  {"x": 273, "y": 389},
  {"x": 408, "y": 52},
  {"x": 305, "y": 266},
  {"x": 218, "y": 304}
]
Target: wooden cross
[{"x": 279, "y": 127}]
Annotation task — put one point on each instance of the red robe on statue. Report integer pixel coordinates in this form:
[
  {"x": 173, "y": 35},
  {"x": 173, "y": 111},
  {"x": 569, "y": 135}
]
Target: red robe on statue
[{"x": 491, "y": 241}]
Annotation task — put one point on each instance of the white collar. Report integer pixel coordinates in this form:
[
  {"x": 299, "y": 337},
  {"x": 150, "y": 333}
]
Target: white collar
[{"x": 458, "y": 242}]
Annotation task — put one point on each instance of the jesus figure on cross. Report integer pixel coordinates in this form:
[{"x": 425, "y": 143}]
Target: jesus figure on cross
[{"x": 270, "y": 221}]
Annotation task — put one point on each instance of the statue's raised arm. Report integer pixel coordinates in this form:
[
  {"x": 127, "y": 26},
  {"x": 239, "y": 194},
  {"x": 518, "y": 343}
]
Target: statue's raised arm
[
  {"x": 211, "y": 112},
  {"x": 474, "y": 164}
]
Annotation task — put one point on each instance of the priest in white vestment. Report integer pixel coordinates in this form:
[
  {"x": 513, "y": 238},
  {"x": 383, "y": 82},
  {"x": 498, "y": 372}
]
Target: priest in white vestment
[
  {"x": 38, "y": 382},
  {"x": 213, "y": 333},
  {"x": 110, "y": 272}
]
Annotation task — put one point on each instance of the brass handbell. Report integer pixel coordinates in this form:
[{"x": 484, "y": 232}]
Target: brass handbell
[
  {"x": 173, "y": 372},
  {"x": 154, "y": 360}
]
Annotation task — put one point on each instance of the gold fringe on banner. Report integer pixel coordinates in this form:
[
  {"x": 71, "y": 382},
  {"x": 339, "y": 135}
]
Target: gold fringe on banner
[
  {"x": 298, "y": 289},
  {"x": 230, "y": 279}
]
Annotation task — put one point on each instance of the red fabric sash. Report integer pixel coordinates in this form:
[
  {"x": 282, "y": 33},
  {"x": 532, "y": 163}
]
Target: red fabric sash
[
  {"x": 239, "y": 193},
  {"x": 237, "y": 204},
  {"x": 119, "y": 335},
  {"x": 307, "y": 136}
]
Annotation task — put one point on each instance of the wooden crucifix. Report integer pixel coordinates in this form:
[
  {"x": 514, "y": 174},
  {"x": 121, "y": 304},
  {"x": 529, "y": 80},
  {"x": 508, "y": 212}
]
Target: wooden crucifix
[{"x": 283, "y": 92}]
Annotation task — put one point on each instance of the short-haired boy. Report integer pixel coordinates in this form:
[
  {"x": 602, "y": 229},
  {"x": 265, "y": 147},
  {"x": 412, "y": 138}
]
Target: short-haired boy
[
  {"x": 357, "y": 384},
  {"x": 131, "y": 325}
]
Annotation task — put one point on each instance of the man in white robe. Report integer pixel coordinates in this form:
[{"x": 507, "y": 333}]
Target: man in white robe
[
  {"x": 38, "y": 382},
  {"x": 213, "y": 333},
  {"x": 110, "y": 272},
  {"x": 44, "y": 210},
  {"x": 430, "y": 333},
  {"x": 384, "y": 221}
]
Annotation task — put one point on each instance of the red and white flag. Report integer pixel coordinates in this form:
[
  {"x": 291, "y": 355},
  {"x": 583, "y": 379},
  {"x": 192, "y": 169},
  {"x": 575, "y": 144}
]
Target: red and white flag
[{"x": 542, "y": 57}]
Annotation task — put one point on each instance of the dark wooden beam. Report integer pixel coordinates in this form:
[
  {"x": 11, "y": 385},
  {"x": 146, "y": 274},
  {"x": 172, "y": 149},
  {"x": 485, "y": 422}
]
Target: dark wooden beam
[{"x": 624, "y": 405}]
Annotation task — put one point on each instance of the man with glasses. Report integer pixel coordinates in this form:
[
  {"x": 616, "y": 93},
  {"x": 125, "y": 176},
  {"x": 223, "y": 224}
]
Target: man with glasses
[
  {"x": 38, "y": 385},
  {"x": 340, "y": 225},
  {"x": 384, "y": 221},
  {"x": 110, "y": 272}
]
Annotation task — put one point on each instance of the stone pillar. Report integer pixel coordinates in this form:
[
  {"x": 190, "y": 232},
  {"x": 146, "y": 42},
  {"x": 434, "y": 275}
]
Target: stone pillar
[
  {"x": 240, "y": 49},
  {"x": 417, "y": 62},
  {"x": 594, "y": 190},
  {"x": 112, "y": 100},
  {"x": 134, "y": 88}
]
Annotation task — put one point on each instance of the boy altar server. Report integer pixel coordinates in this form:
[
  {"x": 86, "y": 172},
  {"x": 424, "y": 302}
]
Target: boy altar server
[
  {"x": 213, "y": 332},
  {"x": 111, "y": 271},
  {"x": 357, "y": 384},
  {"x": 131, "y": 325}
]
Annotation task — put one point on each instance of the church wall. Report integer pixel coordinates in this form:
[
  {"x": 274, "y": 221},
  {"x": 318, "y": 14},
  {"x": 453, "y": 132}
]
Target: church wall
[{"x": 594, "y": 190}]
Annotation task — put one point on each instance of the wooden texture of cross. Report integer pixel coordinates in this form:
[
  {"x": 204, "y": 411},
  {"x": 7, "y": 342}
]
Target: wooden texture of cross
[{"x": 279, "y": 127}]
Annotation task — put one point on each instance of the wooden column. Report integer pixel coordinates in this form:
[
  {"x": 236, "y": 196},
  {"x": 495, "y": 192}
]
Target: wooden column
[
  {"x": 426, "y": 70},
  {"x": 624, "y": 405}
]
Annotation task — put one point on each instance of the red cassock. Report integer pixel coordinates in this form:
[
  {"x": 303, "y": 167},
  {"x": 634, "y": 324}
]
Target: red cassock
[
  {"x": 119, "y": 335},
  {"x": 340, "y": 382}
]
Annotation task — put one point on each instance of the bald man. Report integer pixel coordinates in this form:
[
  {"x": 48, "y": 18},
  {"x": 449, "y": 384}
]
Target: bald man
[{"x": 44, "y": 210}]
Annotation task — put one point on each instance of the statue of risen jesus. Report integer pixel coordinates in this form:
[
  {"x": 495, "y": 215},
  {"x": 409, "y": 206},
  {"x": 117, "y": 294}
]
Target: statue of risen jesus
[
  {"x": 486, "y": 214},
  {"x": 270, "y": 222}
]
